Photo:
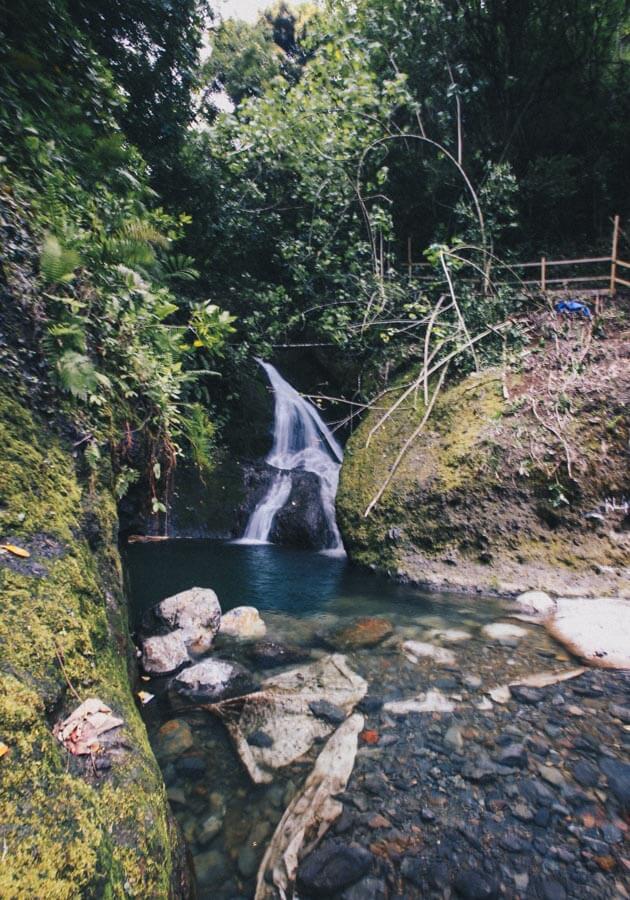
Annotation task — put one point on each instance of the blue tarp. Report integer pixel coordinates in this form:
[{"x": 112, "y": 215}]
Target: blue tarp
[{"x": 573, "y": 308}]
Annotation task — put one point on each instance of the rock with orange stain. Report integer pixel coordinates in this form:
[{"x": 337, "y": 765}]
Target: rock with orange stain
[{"x": 365, "y": 632}]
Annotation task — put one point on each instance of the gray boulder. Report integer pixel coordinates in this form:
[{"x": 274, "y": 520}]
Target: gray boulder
[{"x": 213, "y": 679}]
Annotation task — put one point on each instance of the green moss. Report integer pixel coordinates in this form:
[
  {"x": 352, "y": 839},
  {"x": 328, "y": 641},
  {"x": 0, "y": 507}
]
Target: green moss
[
  {"x": 67, "y": 831},
  {"x": 473, "y": 498},
  {"x": 448, "y": 455}
]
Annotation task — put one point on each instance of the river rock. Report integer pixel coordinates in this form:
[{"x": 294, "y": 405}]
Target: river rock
[
  {"x": 214, "y": 679},
  {"x": 416, "y": 650},
  {"x": 164, "y": 653},
  {"x": 269, "y": 654},
  {"x": 322, "y": 709},
  {"x": 194, "y": 615},
  {"x": 332, "y": 867},
  {"x": 243, "y": 622},
  {"x": 209, "y": 829},
  {"x": 454, "y": 739},
  {"x": 595, "y": 629},
  {"x": 431, "y": 701},
  {"x": 503, "y": 631},
  {"x": 174, "y": 738},
  {"x": 474, "y": 885},
  {"x": 450, "y": 635},
  {"x": 618, "y": 775},
  {"x": 536, "y": 603},
  {"x": 364, "y": 632}
]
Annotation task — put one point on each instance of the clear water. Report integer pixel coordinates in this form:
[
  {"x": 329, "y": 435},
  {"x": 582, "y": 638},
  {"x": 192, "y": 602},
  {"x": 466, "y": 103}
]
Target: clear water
[{"x": 300, "y": 595}]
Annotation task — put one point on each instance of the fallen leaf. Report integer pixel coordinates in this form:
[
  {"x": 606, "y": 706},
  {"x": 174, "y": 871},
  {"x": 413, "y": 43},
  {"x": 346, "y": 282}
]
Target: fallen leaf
[
  {"x": 145, "y": 697},
  {"x": 79, "y": 733},
  {"x": 3, "y": 749},
  {"x": 369, "y": 737},
  {"x": 16, "y": 551}
]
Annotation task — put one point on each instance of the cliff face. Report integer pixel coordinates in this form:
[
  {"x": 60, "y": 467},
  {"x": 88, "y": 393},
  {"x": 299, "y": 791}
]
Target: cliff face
[
  {"x": 505, "y": 488},
  {"x": 71, "y": 825}
]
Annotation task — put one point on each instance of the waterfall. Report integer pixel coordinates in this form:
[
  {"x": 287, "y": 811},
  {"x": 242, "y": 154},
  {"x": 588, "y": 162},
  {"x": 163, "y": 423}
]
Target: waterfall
[{"x": 301, "y": 440}]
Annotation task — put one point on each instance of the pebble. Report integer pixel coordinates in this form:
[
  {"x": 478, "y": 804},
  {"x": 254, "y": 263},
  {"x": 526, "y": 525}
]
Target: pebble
[
  {"x": 473, "y": 885},
  {"x": 322, "y": 709},
  {"x": 551, "y": 775},
  {"x": 332, "y": 867},
  {"x": 209, "y": 829},
  {"x": 525, "y": 694},
  {"x": 514, "y": 755},
  {"x": 247, "y": 861},
  {"x": 453, "y": 738},
  {"x": 620, "y": 712},
  {"x": 585, "y": 773},
  {"x": 260, "y": 739}
]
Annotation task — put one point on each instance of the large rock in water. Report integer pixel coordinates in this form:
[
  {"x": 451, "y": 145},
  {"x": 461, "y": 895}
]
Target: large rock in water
[
  {"x": 164, "y": 653},
  {"x": 596, "y": 630},
  {"x": 194, "y": 615},
  {"x": 302, "y": 522},
  {"x": 213, "y": 679},
  {"x": 243, "y": 622}
]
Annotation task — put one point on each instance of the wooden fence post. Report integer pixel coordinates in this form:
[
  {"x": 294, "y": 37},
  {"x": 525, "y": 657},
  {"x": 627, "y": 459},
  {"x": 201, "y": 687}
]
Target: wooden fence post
[
  {"x": 543, "y": 274},
  {"x": 613, "y": 256}
]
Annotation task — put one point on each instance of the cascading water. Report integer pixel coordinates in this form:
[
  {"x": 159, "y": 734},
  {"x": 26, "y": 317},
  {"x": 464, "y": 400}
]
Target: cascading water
[{"x": 301, "y": 440}]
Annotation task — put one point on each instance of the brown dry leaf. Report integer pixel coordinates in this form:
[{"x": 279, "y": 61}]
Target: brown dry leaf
[
  {"x": 16, "y": 551},
  {"x": 79, "y": 733},
  {"x": 4, "y": 749}
]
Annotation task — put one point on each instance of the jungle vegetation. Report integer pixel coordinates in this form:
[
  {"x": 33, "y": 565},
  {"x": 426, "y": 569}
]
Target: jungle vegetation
[{"x": 187, "y": 192}]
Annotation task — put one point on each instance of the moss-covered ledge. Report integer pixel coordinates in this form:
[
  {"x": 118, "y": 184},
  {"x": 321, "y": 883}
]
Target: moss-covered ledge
[{"x": 68, "y": 829}]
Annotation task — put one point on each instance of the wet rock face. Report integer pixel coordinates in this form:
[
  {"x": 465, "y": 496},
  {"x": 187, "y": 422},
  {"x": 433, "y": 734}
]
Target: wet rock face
[{"x": 301, "y": 522}]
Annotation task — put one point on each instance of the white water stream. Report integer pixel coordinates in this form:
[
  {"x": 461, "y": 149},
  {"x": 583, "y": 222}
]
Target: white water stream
[{"x": 301, "y": 440}]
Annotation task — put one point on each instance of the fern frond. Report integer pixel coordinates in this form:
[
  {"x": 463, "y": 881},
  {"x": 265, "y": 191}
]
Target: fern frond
[
  {"x": 77, "y": 374},
  {"x": 200, "y": 434},
  {"x": 139, "y": 231},
  {"x": 57, "y": 263},
  {"x": 177, "y": 266}
]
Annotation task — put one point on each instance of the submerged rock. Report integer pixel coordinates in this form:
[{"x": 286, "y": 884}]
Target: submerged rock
[
  {"x": 243, "y": 622},
  {"x": 269, "y": 654},
  {"x": 164, "y": 653},
  {"x": 450, "y": 635},
  {"x": 594, "y": 629},
  {"x": 416, "y": 650},
  {"x": 364, "y": 632},
  {"x": 174, "y": 738},
  {"x": 214, "y": 679},
  {"x": 281, "y": 709},
  {"x": 503, "y": 631},
  {"x": 333, "y": 867},
  {"x": 431, "y": 701}
]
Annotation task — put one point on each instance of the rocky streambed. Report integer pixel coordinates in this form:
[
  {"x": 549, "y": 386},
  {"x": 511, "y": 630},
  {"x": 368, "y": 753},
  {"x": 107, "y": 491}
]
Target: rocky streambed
[{"x": 489, "y": 762}]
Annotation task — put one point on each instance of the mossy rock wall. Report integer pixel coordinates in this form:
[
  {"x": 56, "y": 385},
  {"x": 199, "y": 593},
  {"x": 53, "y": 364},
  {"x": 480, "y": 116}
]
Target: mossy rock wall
[
  {"x": 67, "y": 829},
  {"x": 462, "y": 511}
]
